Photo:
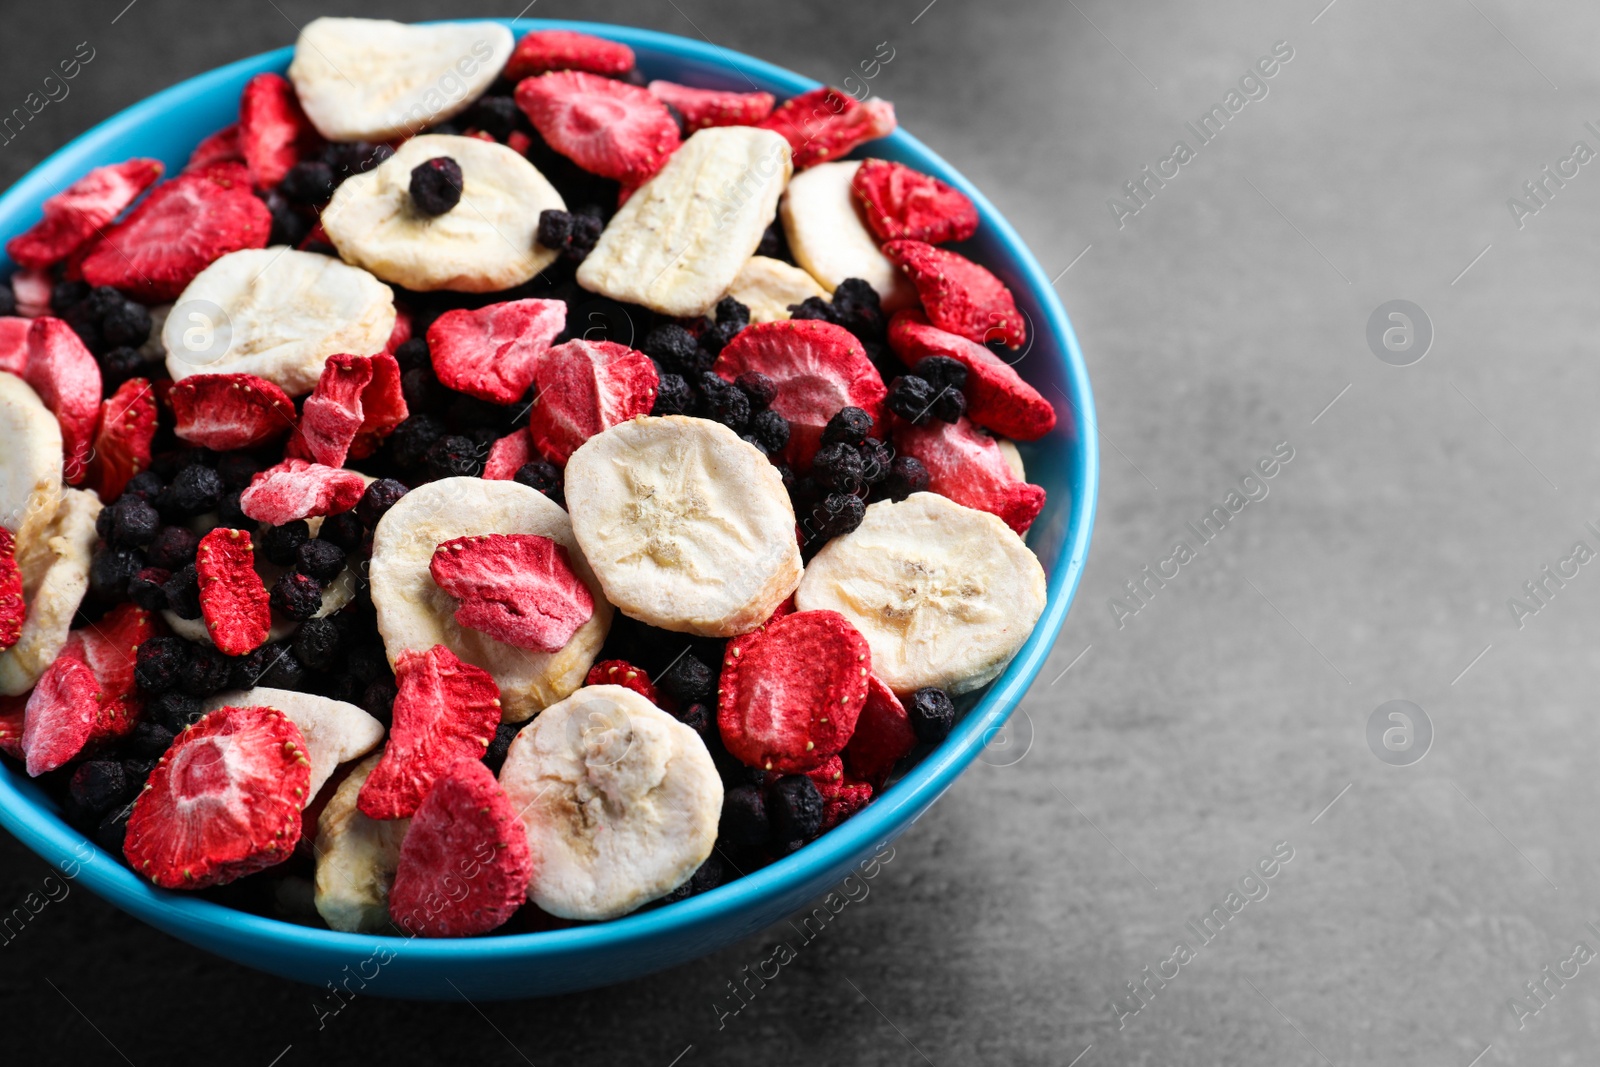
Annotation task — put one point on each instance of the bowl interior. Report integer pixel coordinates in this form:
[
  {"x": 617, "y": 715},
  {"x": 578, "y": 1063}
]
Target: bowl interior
[{"x": 167, "y": 126}]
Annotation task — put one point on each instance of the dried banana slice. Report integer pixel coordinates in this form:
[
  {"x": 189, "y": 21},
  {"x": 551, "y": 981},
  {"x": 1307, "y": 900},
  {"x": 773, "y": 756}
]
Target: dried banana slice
[
  {"x": 829, "y": 239},
  {"x": 1013, "y": 458},
  {"x": 30, "y": 461},
  {"x": 278, "y": 314},
  {"x": 335, "y": 732},
  {"x": 679, "y": 241},
  {"x": 484, "y": 244},
  {"x": 688, "y": 527},
  {"x": 620, "y": 799},
  {"x": 768, "y": 286},
  {"x": 375, "y": 80},
  {"x": 414, "y": 613},
  {"x": 944, "y": 595},
  {"x": 55, "y": 574},
  {"x": 356, "y": 859}
]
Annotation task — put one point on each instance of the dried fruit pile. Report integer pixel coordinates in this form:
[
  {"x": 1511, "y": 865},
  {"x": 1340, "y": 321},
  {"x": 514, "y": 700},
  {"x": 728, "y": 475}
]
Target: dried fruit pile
[{"x": 407, "y": 472}]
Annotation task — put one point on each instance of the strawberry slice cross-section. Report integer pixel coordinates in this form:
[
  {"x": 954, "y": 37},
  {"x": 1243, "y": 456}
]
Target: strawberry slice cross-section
[
  {"x": 517, "y": 588},
  {"x": 233, "y": 599}
]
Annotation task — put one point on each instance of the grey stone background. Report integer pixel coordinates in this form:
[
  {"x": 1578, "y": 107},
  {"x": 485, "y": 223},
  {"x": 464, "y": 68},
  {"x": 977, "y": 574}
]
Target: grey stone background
[{"x": 1230, "y": 712}]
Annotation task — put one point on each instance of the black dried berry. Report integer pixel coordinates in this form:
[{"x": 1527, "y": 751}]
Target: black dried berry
[
  {"x": 412, "y": 438},
  {"x": 316, "y": 643},
  {"x": 377, "y": 699},
  {"x": 348, "y": 158},
  {"x": 290, "y": 225},
  {"x": 495, "y": 115},
  {"x": 98, "y": 785},
  {"x": 857, "y": 309},
  {"x": 413, "y": 353},
  {"x": 701, "y": 719},
  {"x": 436, "y": 185},
  {"x": 249, "y": 669},
  {"x": 758, "y": 387},
  {"x": 775, "y": 243},
  {"x": 159, "y": 663},
  {"x": 795, "y": 808},
  {"x": 236, "y": 469},
  {"x": 8, "y": 300},
  {"x": 182, "y": 591},
  {"x": 812, "y": 307},
  {"x": 146, "y": 484},
  {"x": 281, "y": 544},
  {"x": 911, "y": 398},
  {"x": 731, "y": 313},
  {"x": 837, "y": 466},
  {"x": 495, "y": 755},
  {"x": 744, "y": 823},
  {"x": 230, "y": 511},
  {"x": 876, "y": 456},
  {"x": 724, "y": 402},
  {"x": 149, "y": 740},
  {"x": 949, "y": 405},
  {"x": 206, "y": 672},
  {"x": 770, "y": 430},
  {"x": 65, "y": 294},
  {"x": 907, "y": 475},
  {"x": 368, "y": 663},
  {"x": 379, "y": 497},
  {"x": 134, "y": 523},
  {"x": 117, "y": 365},
  {"x": 453, "y": 456},
  {"x": 932, "y": 714},
  {"x": 296, "y": 596},
  {"x": 942, "y": 372},
  {"x": 309, "y": 181},
  {"x": 836, "y": 515},
  {"x": 344, "y": 530},
  {"x": 175, "y": 710},
  {"x": 284, "y": 670},
  {"x": 706, "y": 877},
  {"x": 126, "y": 325},
  {"x": 195, "y": 490},
  {"x": 673, "y": 396},
  {"x": 555, "y": 228},
  {"x": 675, "y": 348},
  {"x": 850, "y": 425},
  {"x": 541, "y": 475},
  {"x": 322, "y": 560},
  {"x": 688, "y": 680},
  {"x": 111, "y": 568},
  {"x": 585, "y": 233},
  {"x": 144, "y": 588}
]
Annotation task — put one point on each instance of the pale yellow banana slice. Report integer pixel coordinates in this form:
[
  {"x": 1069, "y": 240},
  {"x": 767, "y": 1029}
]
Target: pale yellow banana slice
[
  {"x": 621, "y": 802},
  {"x": 944, "y": 595},
  {"x": 829, "y": 239},
  {"x": 30, "y": 461},
  {"x": 414, "y": 613},
  {"x": 679, "y": 241},
  {"x": 356, "y": 859},
  {"x": 485, "y": 243},
  {"x": 375, "y": 80},
  {"x": 688, "y": 527},
  {"x": 55, "y": 574},
  {"x": 1013, "y": 458},
  {"x": 278, "y": 314},
  {"x": 335, "y": 732},
  {"x": 768, "y": 286}
]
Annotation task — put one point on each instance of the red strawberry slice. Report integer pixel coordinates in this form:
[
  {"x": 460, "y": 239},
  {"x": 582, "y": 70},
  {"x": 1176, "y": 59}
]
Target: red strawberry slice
[
  {"x": 295, "y": 489},
  {"x": 842, "y": 798},
  {"x": 13, "y": 609},
  {"x": 586, "y": 387},
  {"x": 220, "y": 147},
  {"x": 960, "y": 296},
  {"x": 702, "y": 108},
  {"x": 110, "y": 647},
  {"x": 997, "y": 397},
  {"x": 32, "y": 290},
  {"x": 14, "y": 344},
  {"x": 76, "y": 216},
  {"x": 230, "y": 411},
  {"x": 621, "y": 672},
  {"x": 966, "y": 465},
  {"x": 223, "y": 802},
  {"x": 357, "y": 403},
  {"x": 542, "y": 51},
  {"x": 507, "y": 456},
  {"x": 517, "y": 588},
  {"x": 446, "y": 711},
  {"x": 180, "y": 229},
  {"x": 818, "y": 368},
  {"x": 13, "y": 712},
  {"x": 233, "y": 599},
  {"x": 273, "y": 132},
  {"x": 825, "y": 124},
  {"x": 122, "y": 444},
  {"x": 67, "y": 379},
  {"x": 903, "y": 203},
  {"x": 607, "y": 127},
  {"x": 491, "y": 352},
  {"x": 790, "y": 699},
  {"x": 60, "y": 718},
  {"x": 883, "y": 735},
  {"x": 465, "y": 863}
]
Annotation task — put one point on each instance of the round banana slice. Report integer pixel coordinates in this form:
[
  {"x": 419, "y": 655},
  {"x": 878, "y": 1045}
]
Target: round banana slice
[
  {"x": 944, "y": 595},
  {"x": 376, "y": 80},
  {"x": 620, "y": 799},
  {"x": 335, "y": 732},
  {"x": 828, "y": 238},
  {"x": 486, "y": 243},
  {"x": 278, "y": 314},
  {"x": 1013, "y": 458},
  {"x": 356, "y": 858},
  {"x": 55, "y": 574},
  {"x": 30, "y": 461},
  {"x": 414, "y": 613},
  {"x": 768, "y": 286},
  {"x": 688, "y": 527}
]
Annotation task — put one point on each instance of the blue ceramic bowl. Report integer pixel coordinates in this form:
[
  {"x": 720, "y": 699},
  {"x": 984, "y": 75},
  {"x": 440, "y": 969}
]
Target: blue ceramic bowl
[{"x": 168, "y": 126}]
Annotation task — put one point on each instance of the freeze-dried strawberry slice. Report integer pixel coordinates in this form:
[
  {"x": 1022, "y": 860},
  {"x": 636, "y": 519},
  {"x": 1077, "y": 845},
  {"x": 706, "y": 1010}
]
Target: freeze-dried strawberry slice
[
  {"x": 818, "y": 368},
  {"x": 180, "y": 229},
  {"x": 491, "y": 352},
  {"x": 883, "y": 735},
  {"x": 446, "y": 711},
  {"x": 966, "y": 465},
  {"x": 621, "y": 672},
  {"x": 220, "y": 147},
  {"x": 67, "y": 379},
  {"x": 507, "y": 455},
  {"x": 586, "y": 387},
  {"x": 110, "y": 647},
  {"x": 73, "y": 217},
  {"x": 997, "y": 397},
  {"x": 223, "y": 802},
  {"x": 465, "y": 863},
  {"x": 14, "y": 344},
  {"x": 13, "y": 609},
  {"x": 357, "y": 403},
  {"x": 607, "y": 127},
  {"x": 61, "y": 714},
  {"x": 13, "y": 712},
  {"x": 295, "y": 489},
  {"x": 903, "y": 203},
  {"x": 825, "y": 124},
  {"x": 517, "y": 588},
  {"x": 701, "y": 108},
  {"x": 542, "y": 51},
  {"x": 122, "y": 444},
  {"x": 230, "y": 411},
  {"x": 790, "y": 699},
  {"x": 32, "y": 290},
  {"x": 273, "y": 131},
  {"x": 959, "y": 296},
  {"x": 233, "y": 599}
]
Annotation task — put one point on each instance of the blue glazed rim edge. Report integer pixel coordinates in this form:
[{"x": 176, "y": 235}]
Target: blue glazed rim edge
[{"x": 884, "y": 819}]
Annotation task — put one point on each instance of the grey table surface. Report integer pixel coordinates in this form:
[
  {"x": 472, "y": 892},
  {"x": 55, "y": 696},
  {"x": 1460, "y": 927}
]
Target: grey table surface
[{"x": 1163, "y": 752}]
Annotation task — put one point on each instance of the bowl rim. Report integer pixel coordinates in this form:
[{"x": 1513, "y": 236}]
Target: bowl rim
[{"x": 49, "y": 836}]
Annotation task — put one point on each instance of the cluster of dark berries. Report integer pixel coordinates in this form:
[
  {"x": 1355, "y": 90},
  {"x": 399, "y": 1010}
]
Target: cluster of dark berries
[
  {"x": 310, "y": 183},
  {"x": 934, "y": 391},
  {"x": 446, "y": 434},
  {"x": 687, "y": 386},
  {"x": 850, "y": 469},
  {"x": 855, "y": 307},
  {"x": 776, "y": 818},
  {"x": 110, "y": 325},
  {"x": 573, "y": 235}
]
